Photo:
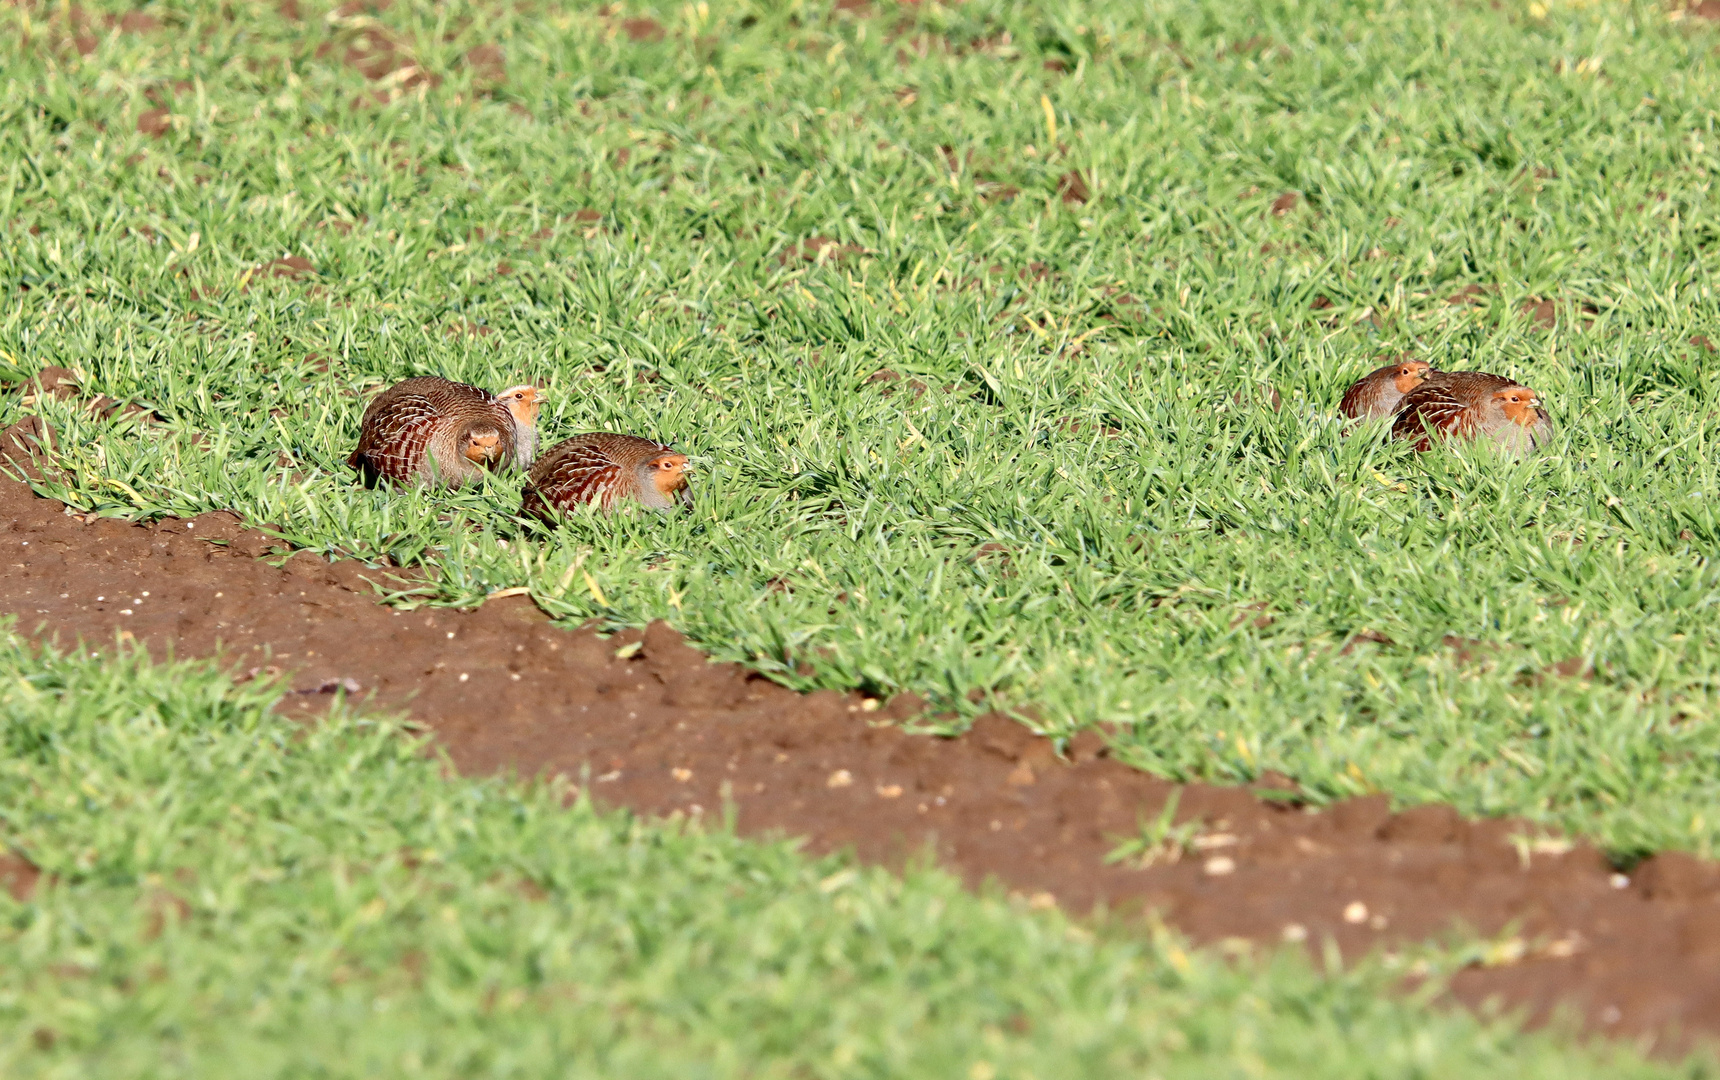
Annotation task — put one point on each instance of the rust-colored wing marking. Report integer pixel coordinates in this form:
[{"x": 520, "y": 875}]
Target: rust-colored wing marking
[
  {"x": 1427, "y": 409},
  {"x": 601, "y": 468},
  {"x": 578, "y": 471}
]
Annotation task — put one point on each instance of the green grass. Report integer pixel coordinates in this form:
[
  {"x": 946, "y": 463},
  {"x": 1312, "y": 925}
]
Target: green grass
[
  {"x": 1134, "y": 565},
  {"x": 228, "y": 887}
]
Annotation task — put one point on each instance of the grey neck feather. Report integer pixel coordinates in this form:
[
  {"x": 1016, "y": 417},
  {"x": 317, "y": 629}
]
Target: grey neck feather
[
  {"x": 646, "y": 484},
  {"x": 525, "y": 445}
]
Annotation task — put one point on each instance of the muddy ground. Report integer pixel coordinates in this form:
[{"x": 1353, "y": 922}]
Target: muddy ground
[{"x": 646, "y": 722}]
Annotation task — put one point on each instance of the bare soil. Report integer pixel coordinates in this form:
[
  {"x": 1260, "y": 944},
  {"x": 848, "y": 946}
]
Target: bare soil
[{"x": 644, "y": 721}]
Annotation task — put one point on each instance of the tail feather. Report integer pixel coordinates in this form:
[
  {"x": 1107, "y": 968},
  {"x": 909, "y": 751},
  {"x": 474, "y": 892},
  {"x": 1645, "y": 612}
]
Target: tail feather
[
  {"x": 368, "y": 473},
  {"x": 532, "y": 504}
]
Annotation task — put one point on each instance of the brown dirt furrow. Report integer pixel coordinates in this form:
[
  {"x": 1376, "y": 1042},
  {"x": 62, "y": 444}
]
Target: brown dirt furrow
[{"x": 660, "y": 729}]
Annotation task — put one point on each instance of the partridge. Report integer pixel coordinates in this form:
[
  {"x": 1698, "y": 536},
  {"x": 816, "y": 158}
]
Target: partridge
[
  {"x": 522, "y": 403},
  {"x": 439, "y": 431},
  {"x": 606, "y": 469},
  {"x": 1378, "y": 393},
  {"x": 1473, "y": 405}
]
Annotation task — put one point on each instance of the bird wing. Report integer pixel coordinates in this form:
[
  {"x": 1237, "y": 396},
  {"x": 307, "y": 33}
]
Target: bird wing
[
  {"x": 1430, "y": 407},
  {"x": 396, "y": 434},
  {"x": 1471, "y": 387},
  {"x": 578, "y": 471},
  {"x": 1358, "y": 398}
]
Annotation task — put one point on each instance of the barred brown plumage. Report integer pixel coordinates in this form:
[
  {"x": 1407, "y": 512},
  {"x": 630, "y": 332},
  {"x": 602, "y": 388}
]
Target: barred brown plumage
[
  {"x": 605, "y": 469},
  {"x": 1473, "y": 405},
  {"x": 1378, "y": 393},
  {"x": 435, "y": 430}
]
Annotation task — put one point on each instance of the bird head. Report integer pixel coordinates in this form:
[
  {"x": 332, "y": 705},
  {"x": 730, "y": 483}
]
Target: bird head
[
  {"x": 482, "y": 445},
  {"x": 1409, "y": 375},
  {"x": 523, "y": 402},
  {"x": 668, "y": 473},
  {"x": 1520, "y": 405}
]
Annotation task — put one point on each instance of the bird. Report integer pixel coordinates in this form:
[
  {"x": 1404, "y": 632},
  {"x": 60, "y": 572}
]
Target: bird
[
  {"x": 522, "y": 403},
  {"x": 1473, "y": 405},
  {"x": 1377, "y": 394},
  {"x": 606, "y": 469},
  {"x": 435, "y": 430}
]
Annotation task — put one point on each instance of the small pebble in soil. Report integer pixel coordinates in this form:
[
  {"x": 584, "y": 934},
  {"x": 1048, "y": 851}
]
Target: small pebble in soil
[
  {"x": 889, "y": 791},
  {"x": 839, "y": 778},
  {"x": 464, "y": 676},
  {"x": 683, "y": 775},
  {"x": 1356, "y": 912},
  {"x": 1295, "y": 932},
  {"x": 1619, "y": 881},
  {"x": 1220, "y": 865}
]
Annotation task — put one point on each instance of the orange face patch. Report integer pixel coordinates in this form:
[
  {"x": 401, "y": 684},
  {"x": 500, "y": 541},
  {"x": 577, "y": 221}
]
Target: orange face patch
[
  {"x": 523, "y": 403},
  {"x": 1520, "y": 404},
  {"x": 481, "y": 446},
  {"x": 669, "y": 473},
  {"x": 1410, "y": 375}
]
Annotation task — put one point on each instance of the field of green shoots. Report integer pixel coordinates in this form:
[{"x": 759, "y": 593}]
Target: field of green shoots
[
  {"x": 1107, "y": 483},
  {"x": 240, "y": 897}
]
